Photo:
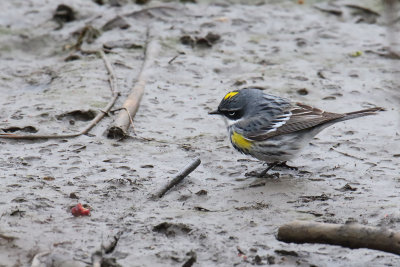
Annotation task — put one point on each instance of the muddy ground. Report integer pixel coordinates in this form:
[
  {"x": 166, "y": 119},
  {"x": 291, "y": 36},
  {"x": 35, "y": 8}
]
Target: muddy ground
[{"x": 350, "y": 172}]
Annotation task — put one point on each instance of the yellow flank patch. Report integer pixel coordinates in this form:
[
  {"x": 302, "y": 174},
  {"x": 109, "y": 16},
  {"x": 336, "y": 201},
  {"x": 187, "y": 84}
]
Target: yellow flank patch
[
  {"x": 239, "y": 141},
  {"x": 230, "y": 95}
]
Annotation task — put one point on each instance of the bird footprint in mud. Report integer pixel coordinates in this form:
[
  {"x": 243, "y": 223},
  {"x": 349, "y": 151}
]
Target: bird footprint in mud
[
  {"x": 256, "y": 174},
  {"x": 172, "y": 229}
]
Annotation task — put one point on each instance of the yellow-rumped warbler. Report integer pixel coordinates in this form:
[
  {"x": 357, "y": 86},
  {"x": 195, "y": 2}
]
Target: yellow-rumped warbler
[{"x": 271, "y": 128}]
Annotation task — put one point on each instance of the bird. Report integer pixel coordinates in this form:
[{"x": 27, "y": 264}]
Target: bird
[{"x": 273, "y": 129}]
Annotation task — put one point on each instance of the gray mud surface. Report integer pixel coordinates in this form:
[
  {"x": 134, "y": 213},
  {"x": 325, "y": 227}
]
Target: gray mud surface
[{"x": 350, "y": 171}]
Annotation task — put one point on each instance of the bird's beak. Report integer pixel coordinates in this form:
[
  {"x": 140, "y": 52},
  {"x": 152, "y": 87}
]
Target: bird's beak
[{"x": 215, "y": 112}]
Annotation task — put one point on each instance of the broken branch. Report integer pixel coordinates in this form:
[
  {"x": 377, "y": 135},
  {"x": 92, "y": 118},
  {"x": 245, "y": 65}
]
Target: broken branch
[
  {"x": 346, "y": 235},
  {"x": 36, "y": 262},
  {"x": 179, "y": 177},
  {"x": 7, "y": 237},
  {"x": 98, "y": 256},
  {"x": 121, "y": 124}
]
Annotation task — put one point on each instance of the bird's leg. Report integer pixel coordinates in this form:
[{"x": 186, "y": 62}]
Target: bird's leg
[{"x": 270, "y": 166}]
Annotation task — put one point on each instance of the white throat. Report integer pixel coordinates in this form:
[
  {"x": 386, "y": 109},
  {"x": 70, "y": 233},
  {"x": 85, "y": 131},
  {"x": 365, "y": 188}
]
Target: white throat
[{"x": 229, "y": 123}]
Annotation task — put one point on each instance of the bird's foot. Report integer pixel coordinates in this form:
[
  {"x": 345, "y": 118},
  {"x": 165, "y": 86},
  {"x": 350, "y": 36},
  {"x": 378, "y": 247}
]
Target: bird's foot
[
  {"x": 264, "y": 174},
  {"x": 284, "y": 165}
]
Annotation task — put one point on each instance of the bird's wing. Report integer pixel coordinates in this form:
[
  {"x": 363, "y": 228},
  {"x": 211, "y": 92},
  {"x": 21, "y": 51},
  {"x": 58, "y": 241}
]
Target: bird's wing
[{"x": 295, "y": 118}]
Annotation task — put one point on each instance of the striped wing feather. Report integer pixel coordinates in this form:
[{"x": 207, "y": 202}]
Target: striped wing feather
[{"x": 301, "y": 117}]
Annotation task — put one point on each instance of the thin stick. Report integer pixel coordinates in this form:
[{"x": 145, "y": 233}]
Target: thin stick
[
  {"x": 346, "y": 235},
  {"x": 36, "y": 262},
  {"x": 8, "y": 237},
  {"x": 179, "y": 177},
  {"x": 97, "y": 256},
  {"x": 129, "y": 115},
  {"x": 346, "y": 154},
  {"x": 121, "y": 124},
  {"x": 144, "y": 10},
  {"x": 114, "y": 95},
  {"x": 172, "y": 59}
]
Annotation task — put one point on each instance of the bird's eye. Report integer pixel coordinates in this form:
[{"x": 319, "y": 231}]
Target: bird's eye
[{"x": 233, "y": 113}]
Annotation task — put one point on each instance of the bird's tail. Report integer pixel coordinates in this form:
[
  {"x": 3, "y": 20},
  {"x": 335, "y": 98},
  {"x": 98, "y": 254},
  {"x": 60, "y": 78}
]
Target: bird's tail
[{"x": 361, "y": 113}]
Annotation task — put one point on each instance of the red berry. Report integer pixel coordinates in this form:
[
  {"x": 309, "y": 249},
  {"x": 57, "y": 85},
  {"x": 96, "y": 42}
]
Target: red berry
[{"x": 79, "y": 210}]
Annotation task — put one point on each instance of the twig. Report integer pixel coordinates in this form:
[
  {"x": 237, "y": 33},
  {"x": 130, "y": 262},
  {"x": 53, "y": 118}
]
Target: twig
[
  {"x": 7, "y": 237},
  {"x": 98, "y": 256},
  {"x": 121, "y": 124},
  {"x": 189, "y": 262},
  {"x": 346, "y": 235},
  {"x": 172, "y": 59},
  {"x": 129, "y": 115},
  {"x": 36, "y": 262},
  {"x": 175, "y": 57},
  {"x": 109, "y": 248},
  {"x": 179, "y": 177},
  {"x": 82, "y": 34},
  {"x": 149, "y": 9},
  {"x": 346, "y": 154},
  {"x": 114, "y": 95}
]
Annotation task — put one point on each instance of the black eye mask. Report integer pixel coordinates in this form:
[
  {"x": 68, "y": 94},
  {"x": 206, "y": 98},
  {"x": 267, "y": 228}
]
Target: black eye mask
[{"x": 232, "y": 114}]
